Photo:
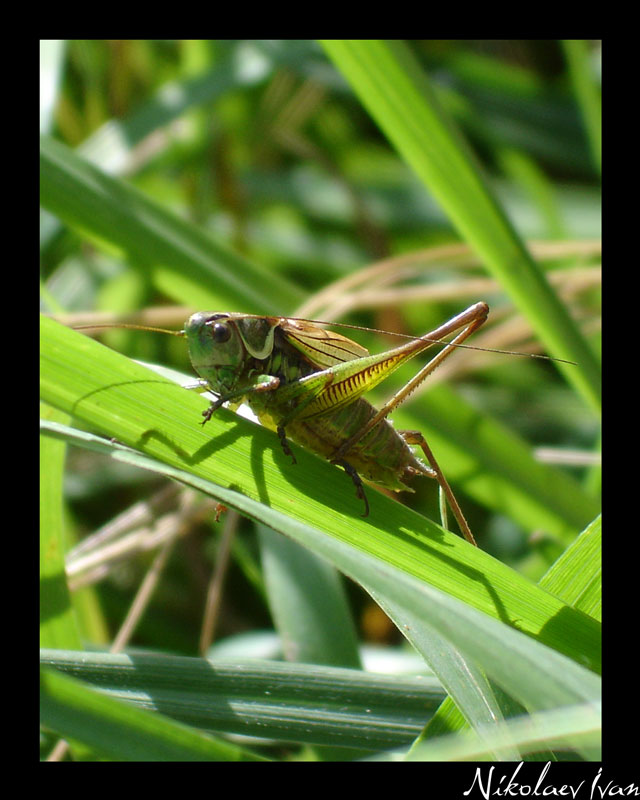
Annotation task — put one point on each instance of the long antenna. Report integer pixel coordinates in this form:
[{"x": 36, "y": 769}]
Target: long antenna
[
  {"x": 132, "y": 326},
  {"x": 129, "y": 325}
]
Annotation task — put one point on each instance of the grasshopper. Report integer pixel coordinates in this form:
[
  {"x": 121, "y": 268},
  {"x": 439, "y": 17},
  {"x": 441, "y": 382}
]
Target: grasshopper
[{"x": 307, "y": 383}]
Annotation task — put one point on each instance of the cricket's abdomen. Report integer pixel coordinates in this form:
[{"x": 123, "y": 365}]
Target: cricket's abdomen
[{"x": 382, "y": 456}]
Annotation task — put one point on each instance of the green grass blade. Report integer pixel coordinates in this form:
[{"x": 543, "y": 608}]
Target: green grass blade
[
  {"x": 122, "y": 732},
  {"x": 535, "y": 675},
  {"x": 308, "y": 603},
  {"x": 292, "y": 702},
  {"x": 576, "y": 727},
  {"x": 176, "y": 255},
  {"x": 245, "y": 462},
  {"x": 58, "y": 627},
  {"x": 467, "y": 686},
  {"x": 587, "y": 94},
  {"x": 397, "y": 93},
  {"x": 576, "y": 576}
]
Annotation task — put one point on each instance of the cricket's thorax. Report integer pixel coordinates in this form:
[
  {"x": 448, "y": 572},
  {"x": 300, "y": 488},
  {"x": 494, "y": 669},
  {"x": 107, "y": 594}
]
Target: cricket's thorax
[{"x": 285, "y": 362}]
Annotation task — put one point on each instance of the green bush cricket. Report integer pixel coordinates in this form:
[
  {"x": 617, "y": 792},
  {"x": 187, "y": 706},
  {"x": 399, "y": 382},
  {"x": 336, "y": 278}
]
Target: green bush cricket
[{"x": 306, "y": 383}]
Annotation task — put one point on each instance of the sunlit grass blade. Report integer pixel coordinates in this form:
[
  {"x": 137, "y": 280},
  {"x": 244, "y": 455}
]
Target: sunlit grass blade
[
  {"x": 396, "y": 91},
  {"x": 58, "y": 624},
  {"x": 136, "y": 407},
  {"x": 569, "y": 728}
]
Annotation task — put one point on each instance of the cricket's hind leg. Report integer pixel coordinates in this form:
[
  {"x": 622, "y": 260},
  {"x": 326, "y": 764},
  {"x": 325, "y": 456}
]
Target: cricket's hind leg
[
  {"x": 434, "y": 471},
  {"x": 357, "y": 481}
]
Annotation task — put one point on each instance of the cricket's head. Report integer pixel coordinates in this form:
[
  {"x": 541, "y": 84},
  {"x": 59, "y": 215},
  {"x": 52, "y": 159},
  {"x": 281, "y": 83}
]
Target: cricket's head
[{"x": 222, "y": 343}]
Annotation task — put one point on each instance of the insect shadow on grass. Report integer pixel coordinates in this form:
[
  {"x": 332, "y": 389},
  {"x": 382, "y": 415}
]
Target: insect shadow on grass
[
  {"x": 213, "y": 444},
  {"x": 555, "y": 629},
  {"x": 335, "y": 490},
  {"x": 339, "y": 497},
  {"x": 211, "y": 447},
  {"x": 476, "y": 576},
  {"x": 261, "y": 439}
]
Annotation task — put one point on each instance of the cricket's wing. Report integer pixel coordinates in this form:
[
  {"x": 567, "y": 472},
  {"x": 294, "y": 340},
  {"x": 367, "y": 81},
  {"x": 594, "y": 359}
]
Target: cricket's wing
[{"x": 320, "y": 347}]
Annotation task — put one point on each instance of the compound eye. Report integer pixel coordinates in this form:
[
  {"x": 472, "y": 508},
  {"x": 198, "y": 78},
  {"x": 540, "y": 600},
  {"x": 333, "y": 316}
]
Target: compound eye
[{"x": 221, "y": 333}]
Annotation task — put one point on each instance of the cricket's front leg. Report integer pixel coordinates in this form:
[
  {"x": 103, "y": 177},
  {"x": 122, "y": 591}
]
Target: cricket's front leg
[
  {"x": 213, "y": 407},
  {"x": 264, "y": 383}
]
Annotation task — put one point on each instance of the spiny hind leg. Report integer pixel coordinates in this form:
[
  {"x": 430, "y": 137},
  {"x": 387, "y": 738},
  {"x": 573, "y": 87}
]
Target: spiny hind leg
[
  {"x": 415, "y": 437},
  {"x": 434, "y": 471},
  {"x": 357, "y": 481}
]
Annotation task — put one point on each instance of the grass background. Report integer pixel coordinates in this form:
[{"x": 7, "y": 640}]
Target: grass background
[{"x": 335, "y": 180}]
